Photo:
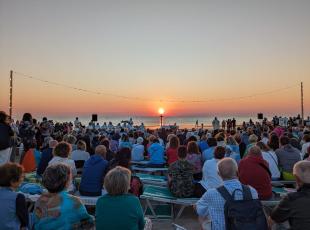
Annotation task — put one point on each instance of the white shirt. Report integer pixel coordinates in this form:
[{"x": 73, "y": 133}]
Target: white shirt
[
  {"x": 272, "y": 160},
  {"x": 265, "y": 140},
  {"x": 137, "y": 152},
  {"x": 79, "y": 155},
  {"x": 304, "y": 149},
  {"x": 68, "y": 162},
  {"x": 210, "y": 177},
  {"x": 216, "y": 124}
]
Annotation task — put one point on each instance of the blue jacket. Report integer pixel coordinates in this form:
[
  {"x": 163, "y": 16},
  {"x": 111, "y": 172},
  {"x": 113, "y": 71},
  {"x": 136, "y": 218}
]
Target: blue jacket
[
  {"x": 93, "y": 173},
  {"x": 208, "y": 154},
  {"x": 47, "y": 155},
  {"x": 156, "y": 152},
  {"x": 8, "y": 217}
]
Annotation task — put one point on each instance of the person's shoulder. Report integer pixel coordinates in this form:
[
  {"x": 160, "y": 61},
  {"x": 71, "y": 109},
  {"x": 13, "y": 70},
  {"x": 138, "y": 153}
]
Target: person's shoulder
[
  {"x": 131, "y": 197},
  {"x": 211, "y": 193},
  {"x": 293, "y": 196},
  {"x": 77, "y": 203},
  {"x": 253, "y": 192}
]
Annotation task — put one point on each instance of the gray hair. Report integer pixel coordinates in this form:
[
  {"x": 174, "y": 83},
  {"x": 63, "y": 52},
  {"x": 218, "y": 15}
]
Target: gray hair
[
  {"x": 302, "y": 171},
  {"x": 56, "y": 177},
  {"x": 101, "y": 150},
  {"x": 228, "y": 168},
  {"x": 255, "y": 150}
]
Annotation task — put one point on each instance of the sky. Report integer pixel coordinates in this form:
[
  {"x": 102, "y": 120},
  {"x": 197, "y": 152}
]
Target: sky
[{"x": 233, "y": 57}]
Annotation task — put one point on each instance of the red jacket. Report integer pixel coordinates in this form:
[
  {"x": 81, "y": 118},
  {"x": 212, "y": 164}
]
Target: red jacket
[
  {"x": 253, "y": 172},
  {"x": 172, "y": 155}
]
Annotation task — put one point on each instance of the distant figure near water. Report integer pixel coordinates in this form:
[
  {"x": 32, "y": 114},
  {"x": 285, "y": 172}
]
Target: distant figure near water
[{"x": 216, "y": 124}]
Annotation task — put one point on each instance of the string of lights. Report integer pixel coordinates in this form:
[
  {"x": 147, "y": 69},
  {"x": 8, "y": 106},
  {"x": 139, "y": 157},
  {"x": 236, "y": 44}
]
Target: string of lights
[{"x": 154, "y": 100}]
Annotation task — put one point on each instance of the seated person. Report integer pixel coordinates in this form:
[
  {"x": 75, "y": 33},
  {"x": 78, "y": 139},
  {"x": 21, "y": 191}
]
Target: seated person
[
  {"x": 211, "y": 204},
  {"x": 172, "y": 150},
  {"x": 295, "y": 207},
  {"x": 80, "y": 154},
  {"x": 156, "y": 154},
  {"x": 254, "y": 171},
  {"x": 61, "y": 155},
  {"x": 31, "y": 159},
  {"x": 46, "y": 156},
  {"x": 110, "y": 155},
  {"x": 57, "y": 209},
  {"x": 208, "y": 154},
  {"x": 137, "y": 152},
  {"x": 13, "y": 211},
  {"x": 118, "y": 209},
  {"x": 180, "y": 175},
  {"x": 93, "y": 173},
  {"x": 211, "y": 178},
  {"x": 288, "y": 156},
  {"x": 123, "y": 158},
  {"x": 272, "y": 160},
  {"x": 194, "y": 157}
]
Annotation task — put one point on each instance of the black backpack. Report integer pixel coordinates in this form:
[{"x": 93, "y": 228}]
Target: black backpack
[{"x": 243, "y": 214}]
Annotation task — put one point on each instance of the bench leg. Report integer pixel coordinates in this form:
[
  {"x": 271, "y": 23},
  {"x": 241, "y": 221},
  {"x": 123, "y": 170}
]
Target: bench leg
[
  {"x": 180, "y": 212},
  {"x": 150, "y": 206}
]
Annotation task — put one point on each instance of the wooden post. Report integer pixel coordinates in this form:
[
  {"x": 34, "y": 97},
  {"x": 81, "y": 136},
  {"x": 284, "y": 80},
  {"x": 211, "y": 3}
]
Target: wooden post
[
  {"x": 302, "y": 103},
  {"x": 11, "y": 93}
]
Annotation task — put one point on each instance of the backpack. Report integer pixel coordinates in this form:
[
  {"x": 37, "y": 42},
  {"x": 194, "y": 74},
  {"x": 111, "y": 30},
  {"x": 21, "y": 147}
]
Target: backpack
[{"x": 243, "y": 214}]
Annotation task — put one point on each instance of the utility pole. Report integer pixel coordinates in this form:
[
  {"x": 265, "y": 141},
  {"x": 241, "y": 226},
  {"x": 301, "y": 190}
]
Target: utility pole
[
  {"x": 302, "y": 103},
  {"x": 11, "y": 92}
]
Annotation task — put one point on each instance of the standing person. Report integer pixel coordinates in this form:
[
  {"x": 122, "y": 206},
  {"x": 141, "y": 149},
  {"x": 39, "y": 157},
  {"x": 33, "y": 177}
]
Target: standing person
[
  {"x": 6, "y": 134},
  {"x": 180, "y": 176},
  {"x": 233, "y": 123},
  {"x": 27, "y": 131},
  {"x": 118, "y": 209},
  {"x": 216, "y": 124},
  {"x": 223, "y": 124},
  {"x": 295, "y": 207}
]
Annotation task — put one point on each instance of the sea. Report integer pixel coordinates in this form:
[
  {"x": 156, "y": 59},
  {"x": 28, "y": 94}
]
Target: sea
[{"x": 154, "y": 121}]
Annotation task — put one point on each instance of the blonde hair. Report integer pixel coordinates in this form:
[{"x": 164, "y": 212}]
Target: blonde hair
[
  {"x": 117, "y": 181},
  {"x": 81, "y": 145},
  {"x": 253, "y": 138}
]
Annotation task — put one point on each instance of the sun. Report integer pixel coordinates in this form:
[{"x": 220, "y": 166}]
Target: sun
[{"x": 161, "y": 111}]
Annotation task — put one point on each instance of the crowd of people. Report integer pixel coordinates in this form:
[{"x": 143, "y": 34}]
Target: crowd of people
[{"x": 201, "y": 163}]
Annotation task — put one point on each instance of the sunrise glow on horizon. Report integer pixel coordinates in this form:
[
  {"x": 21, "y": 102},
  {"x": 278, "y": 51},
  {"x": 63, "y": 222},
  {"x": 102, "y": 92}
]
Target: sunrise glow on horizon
[{"x": 134, "y": 58}]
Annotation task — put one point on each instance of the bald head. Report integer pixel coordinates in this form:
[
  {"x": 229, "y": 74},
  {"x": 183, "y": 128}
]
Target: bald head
[
  {"x": 255, "y": 151},
  {"x": 101, "y": 150},
  {"x": 302, "y": 172},
  {"x": 228, "y": 169}
]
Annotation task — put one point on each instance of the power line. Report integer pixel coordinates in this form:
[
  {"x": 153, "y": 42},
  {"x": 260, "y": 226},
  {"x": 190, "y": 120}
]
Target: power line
[{"x": 154, "y": 100}]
